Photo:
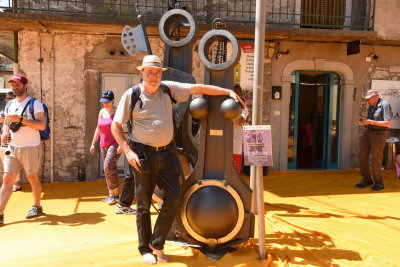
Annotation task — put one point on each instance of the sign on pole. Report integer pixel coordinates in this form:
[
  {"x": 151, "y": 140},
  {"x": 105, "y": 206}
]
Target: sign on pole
[{"x": 257, "y": 145}]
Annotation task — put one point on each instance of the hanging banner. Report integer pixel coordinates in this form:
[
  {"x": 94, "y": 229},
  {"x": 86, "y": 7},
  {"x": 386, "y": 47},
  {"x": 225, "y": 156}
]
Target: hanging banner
[
  {"x": 244, "y": 71},
  {"x": 257, "y": 145},
  {"x": 390, "y": 91}
]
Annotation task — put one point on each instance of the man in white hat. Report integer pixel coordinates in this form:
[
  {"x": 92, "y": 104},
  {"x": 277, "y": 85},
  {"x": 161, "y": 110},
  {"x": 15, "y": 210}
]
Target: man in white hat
[
  {"x": 150, "y": 150},
  {"x": 374, "y": 139}
]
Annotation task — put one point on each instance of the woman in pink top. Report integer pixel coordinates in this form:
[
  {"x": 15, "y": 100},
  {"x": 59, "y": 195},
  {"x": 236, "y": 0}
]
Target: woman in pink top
[{"x": 108, "y": 145}]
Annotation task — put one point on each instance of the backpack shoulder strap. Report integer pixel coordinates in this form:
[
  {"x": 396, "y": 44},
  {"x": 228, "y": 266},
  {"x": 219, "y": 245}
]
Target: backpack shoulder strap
[
  {"x": 135, "y": 97},
  {"x": 31, "y": 110},
  {"x": 167, "y": 90}
]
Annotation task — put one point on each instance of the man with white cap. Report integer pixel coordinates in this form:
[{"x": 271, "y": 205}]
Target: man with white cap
[
  {"x": 25, "y": 149},
  {"x": 374, "y": 139},
  {"x": 151, "y": 152}
]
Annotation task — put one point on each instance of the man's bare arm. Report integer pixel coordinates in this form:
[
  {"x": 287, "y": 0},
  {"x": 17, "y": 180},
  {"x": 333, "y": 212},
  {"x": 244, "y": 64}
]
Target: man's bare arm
[
  {"x": 39, "y": 123},
  {"x": 206, "y": 89}
]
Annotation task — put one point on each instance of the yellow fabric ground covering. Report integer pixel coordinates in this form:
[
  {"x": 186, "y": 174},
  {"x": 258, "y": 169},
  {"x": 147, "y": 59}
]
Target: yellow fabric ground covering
[{"x": 313, "y": 218}]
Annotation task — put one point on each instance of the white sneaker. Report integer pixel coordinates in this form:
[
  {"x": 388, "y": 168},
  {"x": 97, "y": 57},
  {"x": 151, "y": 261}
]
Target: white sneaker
[
  {"x": 124, "y": 210},
  {"x": 16, "y": 188}
]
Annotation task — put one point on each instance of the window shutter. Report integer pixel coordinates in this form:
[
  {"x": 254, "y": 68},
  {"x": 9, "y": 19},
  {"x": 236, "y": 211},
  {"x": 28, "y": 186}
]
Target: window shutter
[{"x": 323, "y": 13}]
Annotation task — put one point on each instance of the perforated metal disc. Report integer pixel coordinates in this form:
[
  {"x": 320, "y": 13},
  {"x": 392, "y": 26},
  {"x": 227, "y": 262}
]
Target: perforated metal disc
[{"x": 133, "y": 40}]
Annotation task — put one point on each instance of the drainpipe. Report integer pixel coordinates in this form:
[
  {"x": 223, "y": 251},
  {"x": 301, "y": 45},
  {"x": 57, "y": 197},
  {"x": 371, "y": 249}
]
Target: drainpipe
[
  {"x": 16, "y": 48},
  {"x": 53, "y": 84}
]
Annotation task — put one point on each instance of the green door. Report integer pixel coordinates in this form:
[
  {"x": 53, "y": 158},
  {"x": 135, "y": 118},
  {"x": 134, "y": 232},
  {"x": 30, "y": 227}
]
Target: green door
[{"x": 313, "y": 122}]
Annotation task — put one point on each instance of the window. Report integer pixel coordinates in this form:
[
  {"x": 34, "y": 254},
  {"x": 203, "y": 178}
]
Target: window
[{"x": 328, "y": 13}]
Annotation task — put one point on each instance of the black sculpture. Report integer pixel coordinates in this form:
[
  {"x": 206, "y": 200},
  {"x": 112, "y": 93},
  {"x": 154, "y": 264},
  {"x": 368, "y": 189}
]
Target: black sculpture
[{"x": 215, "y": 211}]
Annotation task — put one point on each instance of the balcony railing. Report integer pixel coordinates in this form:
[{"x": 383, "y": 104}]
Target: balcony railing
[{"x": 320, "y": 14}]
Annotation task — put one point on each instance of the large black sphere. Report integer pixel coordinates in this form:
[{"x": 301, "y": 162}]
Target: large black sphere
[
  {"x": 212, "y": 212},
  {"x": 198, "y": 108},
  {"x": 230, "y": 109}
]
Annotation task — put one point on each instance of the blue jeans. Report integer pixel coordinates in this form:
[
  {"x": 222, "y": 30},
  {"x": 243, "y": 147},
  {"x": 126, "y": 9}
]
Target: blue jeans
[{"x": 161, "y": 168}]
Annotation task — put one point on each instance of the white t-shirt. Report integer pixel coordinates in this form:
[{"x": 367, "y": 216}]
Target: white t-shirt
[{"x": 25, "y": 136}]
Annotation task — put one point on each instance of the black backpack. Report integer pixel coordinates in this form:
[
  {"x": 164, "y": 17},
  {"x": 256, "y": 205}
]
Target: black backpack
[{"x": 135, "y": 97}]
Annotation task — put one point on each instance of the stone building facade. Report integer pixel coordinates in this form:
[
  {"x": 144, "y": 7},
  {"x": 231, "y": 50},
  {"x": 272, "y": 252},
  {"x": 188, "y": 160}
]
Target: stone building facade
[{"x": 65, "y": 62}]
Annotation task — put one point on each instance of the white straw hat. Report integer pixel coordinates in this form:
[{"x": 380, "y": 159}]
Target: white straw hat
[{"x": 151, "y": 61}]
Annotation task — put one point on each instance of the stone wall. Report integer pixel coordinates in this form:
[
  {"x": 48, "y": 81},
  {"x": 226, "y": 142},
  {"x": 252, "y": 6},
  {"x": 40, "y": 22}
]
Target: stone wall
[
  {"x": 379, "y": 72},
  {"x": 269, "y": 53},
  {"x": 387, "y": 19},
  {"x": 55, "y": 62},
  {"x": 69, "y": 56},
  {"x": 383, "y": 67}
]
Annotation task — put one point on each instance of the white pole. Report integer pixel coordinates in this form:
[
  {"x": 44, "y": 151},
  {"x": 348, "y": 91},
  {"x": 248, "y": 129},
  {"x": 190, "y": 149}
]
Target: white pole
[
  {"x": 53, "y": 90},
  {"x": 258, "y": 84}
]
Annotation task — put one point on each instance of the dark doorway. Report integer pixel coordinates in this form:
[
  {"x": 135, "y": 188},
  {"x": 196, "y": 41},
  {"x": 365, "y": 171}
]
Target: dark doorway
[{"x": 314, "y": 113}]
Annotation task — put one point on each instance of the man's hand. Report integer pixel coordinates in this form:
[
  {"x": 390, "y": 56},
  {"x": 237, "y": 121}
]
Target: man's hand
[
  {"x": 13, "y": 118},
  {"x": 237, "y": 98},
  {"x": 240, "y": 121},
  {"x": 133, "y": 159}
]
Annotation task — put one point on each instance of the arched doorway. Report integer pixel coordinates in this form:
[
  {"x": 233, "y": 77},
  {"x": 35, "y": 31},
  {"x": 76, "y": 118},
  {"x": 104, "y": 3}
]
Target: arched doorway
[
  {"x": 347, "y": 116},
  {"x": 314, "y": 116}
]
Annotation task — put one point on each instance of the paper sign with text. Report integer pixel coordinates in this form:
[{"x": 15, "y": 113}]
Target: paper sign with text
[{"x": 257, "y": 145}]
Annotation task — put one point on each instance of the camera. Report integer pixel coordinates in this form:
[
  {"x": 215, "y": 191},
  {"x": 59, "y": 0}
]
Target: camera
[
  {"x": 7, "y": 152},
  {"x": 14, "y": 126}
]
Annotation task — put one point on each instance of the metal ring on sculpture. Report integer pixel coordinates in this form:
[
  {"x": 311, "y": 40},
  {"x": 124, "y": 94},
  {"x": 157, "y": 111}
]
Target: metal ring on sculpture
[
  {"x": 174, "y": 13},
  {"x": 212, "y": 242},
  {"x": 206, "y": 42}
]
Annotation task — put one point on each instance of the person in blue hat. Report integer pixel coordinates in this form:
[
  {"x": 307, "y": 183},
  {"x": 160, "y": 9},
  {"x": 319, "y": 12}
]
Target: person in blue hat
[{"x": 108, "y": 145}]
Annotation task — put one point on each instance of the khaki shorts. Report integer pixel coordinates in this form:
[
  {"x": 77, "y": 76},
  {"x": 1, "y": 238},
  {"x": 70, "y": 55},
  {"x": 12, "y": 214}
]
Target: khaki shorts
[{"x": 26, "y": 157}]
